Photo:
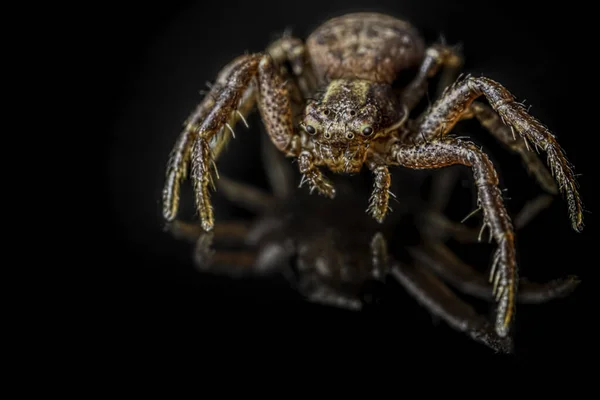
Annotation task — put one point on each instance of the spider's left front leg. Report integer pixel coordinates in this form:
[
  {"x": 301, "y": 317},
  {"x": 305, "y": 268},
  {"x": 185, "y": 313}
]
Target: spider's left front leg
[{"x": 445, "y": 152}]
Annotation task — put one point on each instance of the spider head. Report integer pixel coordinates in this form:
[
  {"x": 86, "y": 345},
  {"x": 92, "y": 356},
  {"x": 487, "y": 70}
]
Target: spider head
[{"x": 352, "y": 113}]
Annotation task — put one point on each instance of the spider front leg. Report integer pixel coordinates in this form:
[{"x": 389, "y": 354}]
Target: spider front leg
[
  {"x": 203, "y": 132},
  {"x": 447, "y": 111},
  {"x": 447, "y": 151},
  {"x": 178, "y": 164}
]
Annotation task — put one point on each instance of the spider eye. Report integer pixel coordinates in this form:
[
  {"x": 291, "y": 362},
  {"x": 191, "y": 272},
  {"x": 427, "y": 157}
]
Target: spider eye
[
  {"x": 310, "y": 129},
  {"x": 367, "y": 130}
]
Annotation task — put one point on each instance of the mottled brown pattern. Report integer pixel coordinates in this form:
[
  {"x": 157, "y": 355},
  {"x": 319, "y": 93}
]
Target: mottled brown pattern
[
  {"x": 380, "y": 198},
  {"x": 493, "y": 123},
  {"x": 448, "y": 110},
  {"x": 201, "y": 164},
  {"x": 275, "y": 106},
  {"x": 365, "y": 46},
  {"x": 334, "y": 103},
  {"x": 449, "y": 151}
]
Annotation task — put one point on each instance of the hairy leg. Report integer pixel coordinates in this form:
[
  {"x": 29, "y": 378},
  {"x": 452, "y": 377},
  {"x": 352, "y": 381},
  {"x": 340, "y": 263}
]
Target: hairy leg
[
  {"x": 448, "y": 151},
  {"x": 380, "y": 198},
  {"x": 442, "y": 261},
  {"x": 275, "y": 109},
  {"x": 313, "y": 176},
  {"x": 456, "y": 102},
  {"x": 441, "y": 302},
  {"x": 436, "y": 57},
  {"x": 436, "y": 226},
  {"x": 178, "y": 164},
  {"x": 490, "y": 120}
]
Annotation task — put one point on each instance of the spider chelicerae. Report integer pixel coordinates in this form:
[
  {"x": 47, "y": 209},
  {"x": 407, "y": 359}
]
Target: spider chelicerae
[{"x": 333, "y": 101}]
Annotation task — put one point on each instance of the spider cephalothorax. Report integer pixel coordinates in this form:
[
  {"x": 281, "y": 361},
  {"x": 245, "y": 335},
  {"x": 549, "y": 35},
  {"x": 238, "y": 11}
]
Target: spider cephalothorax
[
  {"x": 349, "y": 64},
  {"x": 349, "y": 117}
]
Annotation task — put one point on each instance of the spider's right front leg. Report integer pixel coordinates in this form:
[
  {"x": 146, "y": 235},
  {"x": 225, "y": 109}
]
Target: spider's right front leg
[{"x": 214, "y": 114}]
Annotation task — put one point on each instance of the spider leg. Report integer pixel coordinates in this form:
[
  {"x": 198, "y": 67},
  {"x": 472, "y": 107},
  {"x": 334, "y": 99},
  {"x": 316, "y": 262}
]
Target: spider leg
[
  {"x": 178, "y": 164},
  {"x": 293, "y": 50},
  {"x": 456, "y": 102},
  {"x": 313, "y": 175},
  {"x": 302, "y": 86},
  {"x": 437, "y": 226},
  {"x": 488, "y": 118},
  {"x": 329, "y": 297},
  {"x": 222, "y": 262},
  {"x": 435, "y": 57},
  {"x": 379, "y": 201},
  {"x": 232, "y": 231},
  {"x": 246, "y": 196},
  {"x": 275, "y": 109},
  {"x": 234, "y": 263},
  {"x": 380, "y": 256},
  {"x": 531, "y": 209},
  {"x": 439, "y": 300},
  {"x": 448, "y": 151},
  {"x": 443, "y": 262}
]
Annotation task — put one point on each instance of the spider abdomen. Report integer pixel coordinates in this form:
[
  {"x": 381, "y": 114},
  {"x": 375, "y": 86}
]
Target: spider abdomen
[{"x": 364, "y": 45}]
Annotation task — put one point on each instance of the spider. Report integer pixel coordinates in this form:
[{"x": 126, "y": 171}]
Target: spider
[
  {"x": 342, "y": 262},
  {"x": 334, "y": 102}
]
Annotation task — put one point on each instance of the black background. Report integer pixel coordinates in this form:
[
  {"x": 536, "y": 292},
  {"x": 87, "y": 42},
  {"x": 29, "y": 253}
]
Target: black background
[{"x": 156, "y": 58}]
